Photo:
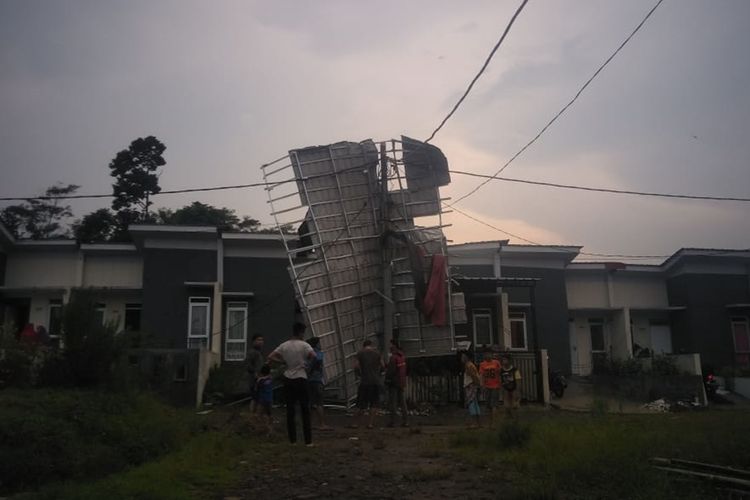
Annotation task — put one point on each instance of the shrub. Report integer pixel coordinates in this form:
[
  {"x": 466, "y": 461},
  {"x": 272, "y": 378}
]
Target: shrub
[
  {"x": 48, "y": 435},
  {"x": 19, "y": 363},
  {"x": 91, "y": 349}
]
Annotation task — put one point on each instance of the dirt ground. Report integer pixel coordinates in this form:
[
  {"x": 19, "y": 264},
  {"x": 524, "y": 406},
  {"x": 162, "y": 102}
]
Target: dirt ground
[{"x": 398, "y": 462}]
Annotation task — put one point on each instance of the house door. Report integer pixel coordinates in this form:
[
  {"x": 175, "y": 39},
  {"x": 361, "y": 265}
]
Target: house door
[
  {"x": 580, "y": 349},
  {"x": 661, "y": 339}
]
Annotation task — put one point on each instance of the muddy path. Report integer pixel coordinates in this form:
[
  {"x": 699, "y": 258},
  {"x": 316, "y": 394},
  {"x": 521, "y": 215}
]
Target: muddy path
[{"x": 403, "y": 463}]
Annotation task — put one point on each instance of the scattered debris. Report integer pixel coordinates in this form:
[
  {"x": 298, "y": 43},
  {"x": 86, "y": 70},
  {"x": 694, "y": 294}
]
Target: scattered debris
[
  {"x": 718, "y": 474},
  {"x": 664, "y": 406},
  {"x": 659, "y": 405}
]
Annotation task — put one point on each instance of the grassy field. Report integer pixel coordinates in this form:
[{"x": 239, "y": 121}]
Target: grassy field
[
  {"x": 549, "y": 456},
  {"x": 582, "y": 456}
]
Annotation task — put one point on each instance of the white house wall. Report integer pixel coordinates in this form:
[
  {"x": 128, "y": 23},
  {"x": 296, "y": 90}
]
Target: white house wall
[
  {"x": 42, "y": 269},
  {"x": 113, "y": 271},
  {"x": 639, "y": 291},
  {"x": 603, "y": 290},
  {"x": 587, "y": 290}
]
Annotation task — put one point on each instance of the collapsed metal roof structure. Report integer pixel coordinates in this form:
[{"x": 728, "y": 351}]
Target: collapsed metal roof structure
[{"x": 362, "y": 269}]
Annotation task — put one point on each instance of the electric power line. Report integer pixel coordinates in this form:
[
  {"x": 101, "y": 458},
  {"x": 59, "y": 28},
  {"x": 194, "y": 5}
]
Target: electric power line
[
  {"x": 561, "y": 249},
  {"x": 601, "y": 190},
  {"x": 565, "y": 108},
  {"x": 173, "y": 191},
  {"x": 484, "y": 66}
]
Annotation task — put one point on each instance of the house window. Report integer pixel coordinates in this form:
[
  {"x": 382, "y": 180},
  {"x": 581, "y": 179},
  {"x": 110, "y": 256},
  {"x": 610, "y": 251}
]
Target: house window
[
  {"x": 199, "y": 316},
  {"x": 518, "y": 330},
  {"x": 132, "y": 317},
  {"x": 741, "y": 334},
  {"x": 236, "y": 332},
  {"x": 482, "y": 327},
  {"x": 99, "y": 313},
  {"x": 55, "y": 321},
  {"x": 596, "y": 328}
]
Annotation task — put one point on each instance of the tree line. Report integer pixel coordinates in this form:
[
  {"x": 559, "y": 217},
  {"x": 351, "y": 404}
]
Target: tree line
[{"x": 136, "y": 173}]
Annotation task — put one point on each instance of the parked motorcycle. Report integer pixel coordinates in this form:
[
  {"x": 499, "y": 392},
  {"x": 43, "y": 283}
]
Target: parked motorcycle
[
  {"x": 557, "y": 383},
  {"x": 711, "y": 385}
]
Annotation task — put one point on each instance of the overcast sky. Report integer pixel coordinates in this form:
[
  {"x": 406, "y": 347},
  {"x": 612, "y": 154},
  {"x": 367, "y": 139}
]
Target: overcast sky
[{"x": 228, "y": 85}]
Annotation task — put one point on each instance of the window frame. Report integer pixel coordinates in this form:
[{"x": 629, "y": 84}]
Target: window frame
[
  {"x": 101, "y": 307},
  {"x": 58, "y": 305},
  {"x": 199, "y": 300},
  {"x": 482, "y": 313},
  {"x": 132, "y": 307},
  {"x": 521, "y": 320},
  {"x": 231, "y": 307}
]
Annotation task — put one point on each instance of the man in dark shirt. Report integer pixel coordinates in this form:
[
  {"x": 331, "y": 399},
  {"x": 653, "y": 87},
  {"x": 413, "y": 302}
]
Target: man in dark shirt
[{"x": 369, "y": 365}]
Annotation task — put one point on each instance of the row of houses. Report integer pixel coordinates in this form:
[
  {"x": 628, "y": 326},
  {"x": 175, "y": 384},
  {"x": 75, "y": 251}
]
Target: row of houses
[
  {"x": 521, "y": 297},
  {"x": 197, "y": 288}
]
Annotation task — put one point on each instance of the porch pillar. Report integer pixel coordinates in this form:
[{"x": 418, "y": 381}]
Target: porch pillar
[
  {"x": 503, "y": 319},
  {"x": 621, "y": 338}
]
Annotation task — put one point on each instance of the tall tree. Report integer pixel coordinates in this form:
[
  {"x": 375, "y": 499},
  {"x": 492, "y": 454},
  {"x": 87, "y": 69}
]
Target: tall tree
[
  {"x": 41, "y": 218},
  {"x": 100, "y": 225},
  {"x": 135, "y": 173}
]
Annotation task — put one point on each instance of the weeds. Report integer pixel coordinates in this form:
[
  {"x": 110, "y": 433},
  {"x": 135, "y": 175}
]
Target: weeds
[
  {"x": 513, "y": 434},
  {"x": 591, "y": 457}
]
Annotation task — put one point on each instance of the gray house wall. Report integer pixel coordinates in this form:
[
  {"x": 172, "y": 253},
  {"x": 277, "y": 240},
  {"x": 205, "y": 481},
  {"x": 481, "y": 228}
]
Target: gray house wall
[
  {"x": 550, "y": 304},
  {"x": 551, "y": 312},
  {"x": 271, "y": 308},
  {"x": 165, "y": 295},
  {"x": 704, "y": 326}
]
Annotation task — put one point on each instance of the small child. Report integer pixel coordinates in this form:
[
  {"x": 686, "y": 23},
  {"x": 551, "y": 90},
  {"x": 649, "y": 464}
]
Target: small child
[
  {"x": 264, "y": 391},
  {"x": 509, "y": 377}
]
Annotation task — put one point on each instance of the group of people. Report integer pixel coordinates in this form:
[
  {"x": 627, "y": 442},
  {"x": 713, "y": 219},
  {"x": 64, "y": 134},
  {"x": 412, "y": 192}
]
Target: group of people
[
  {"x": 303, "y": 382},
  {"x": 494, "y": 377}
]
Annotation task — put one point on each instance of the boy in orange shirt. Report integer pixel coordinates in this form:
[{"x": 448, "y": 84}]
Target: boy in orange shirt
[{"x": 489, "y": 373}]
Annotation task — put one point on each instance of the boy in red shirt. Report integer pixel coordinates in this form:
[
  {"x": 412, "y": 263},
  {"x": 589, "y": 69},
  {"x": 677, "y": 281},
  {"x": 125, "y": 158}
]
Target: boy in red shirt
[{"x": 489, "y": 373}]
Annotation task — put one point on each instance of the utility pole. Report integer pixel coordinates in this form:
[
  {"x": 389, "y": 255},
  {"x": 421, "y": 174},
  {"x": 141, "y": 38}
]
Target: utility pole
[{"x": 385, "y": 260}]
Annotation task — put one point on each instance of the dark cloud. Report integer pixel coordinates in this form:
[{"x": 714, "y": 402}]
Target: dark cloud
[{"x": 229, "y": 85}]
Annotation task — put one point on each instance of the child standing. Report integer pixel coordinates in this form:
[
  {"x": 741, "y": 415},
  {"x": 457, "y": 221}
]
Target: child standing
[
  {"x": 264, "y": 391},
  {"x": 489, "y": 372},
  {"x": 471, "y": 387},
  {"x": 509, "y": 377}
]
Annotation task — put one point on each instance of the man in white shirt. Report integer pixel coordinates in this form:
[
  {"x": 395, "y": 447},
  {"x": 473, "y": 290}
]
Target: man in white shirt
[{"x": 295, "y": 353}]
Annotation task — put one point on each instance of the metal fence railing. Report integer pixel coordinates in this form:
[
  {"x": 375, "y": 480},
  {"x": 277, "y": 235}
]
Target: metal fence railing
[{"x": 447, "y": 388}]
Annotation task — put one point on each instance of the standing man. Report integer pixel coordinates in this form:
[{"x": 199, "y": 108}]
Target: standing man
[
  {"x": 489, "y": 373},
  {"x": 316, "y": 383},
  {"x": 295, "y": 354},
  {"x": 369, "y": 365},
  {"x": 395, "y": 381},
  {"x": 254, "y": 364}
]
